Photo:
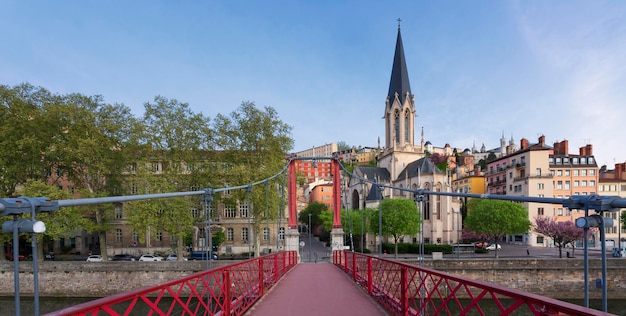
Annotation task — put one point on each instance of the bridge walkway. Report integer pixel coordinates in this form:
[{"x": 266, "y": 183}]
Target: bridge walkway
[{"x": 316, "y": 289}]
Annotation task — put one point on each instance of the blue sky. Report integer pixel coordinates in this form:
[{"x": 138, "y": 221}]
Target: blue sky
[{"x": 478, "y": 69}]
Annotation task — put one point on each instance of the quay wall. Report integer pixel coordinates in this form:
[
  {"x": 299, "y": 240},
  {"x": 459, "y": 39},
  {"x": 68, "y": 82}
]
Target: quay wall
[{"x": 556, "y": 278}]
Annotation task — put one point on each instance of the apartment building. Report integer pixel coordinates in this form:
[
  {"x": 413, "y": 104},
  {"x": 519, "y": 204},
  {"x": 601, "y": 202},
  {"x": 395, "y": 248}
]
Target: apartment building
[
  {"x": 539, "y": 170},
  {"x": 613, "y": 183}
]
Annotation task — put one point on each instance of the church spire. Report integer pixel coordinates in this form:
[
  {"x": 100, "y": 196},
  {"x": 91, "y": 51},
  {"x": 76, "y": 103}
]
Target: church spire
[{"x": 399, "y": 82}]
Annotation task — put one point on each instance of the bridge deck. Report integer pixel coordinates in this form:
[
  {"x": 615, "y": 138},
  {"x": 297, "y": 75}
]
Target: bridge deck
[{"x": 316, "y": 289}]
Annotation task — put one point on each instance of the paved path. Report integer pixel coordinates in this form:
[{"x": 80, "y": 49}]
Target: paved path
[{"x": 316, "y": 289}]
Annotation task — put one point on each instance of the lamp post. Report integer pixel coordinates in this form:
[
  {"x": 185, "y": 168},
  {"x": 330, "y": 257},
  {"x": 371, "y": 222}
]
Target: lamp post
[{"x": 310, "y": 237}]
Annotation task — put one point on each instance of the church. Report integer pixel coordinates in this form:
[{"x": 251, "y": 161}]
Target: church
[{"x": 404, "y": 163}]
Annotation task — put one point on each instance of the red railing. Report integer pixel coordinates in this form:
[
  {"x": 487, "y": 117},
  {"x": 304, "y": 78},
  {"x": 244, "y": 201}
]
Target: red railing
[
  {"x": 227, "y": 290},
  {"x": 410, "y": 290}
]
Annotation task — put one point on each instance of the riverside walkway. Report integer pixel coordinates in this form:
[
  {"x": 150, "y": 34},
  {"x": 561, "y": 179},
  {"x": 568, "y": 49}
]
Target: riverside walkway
[{"x": 316, "y": 289}]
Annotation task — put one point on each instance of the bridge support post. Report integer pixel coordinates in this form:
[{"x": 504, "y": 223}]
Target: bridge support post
[
  {"x": 336, "y": 238},
  {"x": 292, "y": 241}
]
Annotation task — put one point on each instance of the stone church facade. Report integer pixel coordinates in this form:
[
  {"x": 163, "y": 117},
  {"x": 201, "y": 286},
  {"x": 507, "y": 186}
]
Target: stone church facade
[{"x": 404, "y": 163}]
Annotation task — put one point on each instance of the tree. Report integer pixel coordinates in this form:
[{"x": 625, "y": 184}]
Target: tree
[
  {"x": 399, "y": 218},
  {"x": 178, "y": 140},
  {"x": 497, "y": 218},
  {"x": 341, "y": 146},
  {"x": 316, "y": 209},
  {"x": 562, "y": 233},
  {"x": 253, "y": 144},
  {"x": 354, "y": 221},
  {"x": 59, "y": 224}
]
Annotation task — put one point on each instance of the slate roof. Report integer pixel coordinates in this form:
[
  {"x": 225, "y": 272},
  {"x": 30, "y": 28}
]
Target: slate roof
[
  {"x": 399, "y": 74},
  {"x": 424, "y": 165},
  {"x": 372, "y": 173}
]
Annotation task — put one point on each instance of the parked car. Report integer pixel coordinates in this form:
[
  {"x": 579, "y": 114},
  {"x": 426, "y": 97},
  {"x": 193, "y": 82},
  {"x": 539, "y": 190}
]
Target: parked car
[
  {"x": 124, "y": 257},
  {"x": 480, "y": 244},
  {"x": 150, "y": 257},
  {"x": 173, "y": 257},
  {"x": 94, "y": 258},
  {"x": 203, "y": 255},
  {"x": 493, "y": 247},
  {"x": 9, "y": 256}
]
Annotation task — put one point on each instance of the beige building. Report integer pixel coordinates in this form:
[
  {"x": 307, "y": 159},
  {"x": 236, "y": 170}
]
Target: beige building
[{"x": 539, "y": 170}]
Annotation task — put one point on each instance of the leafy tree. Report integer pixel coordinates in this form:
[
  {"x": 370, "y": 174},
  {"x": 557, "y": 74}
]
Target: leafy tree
[
  {"x": 253, "y": 144},
  {"x": 341, "y": 145},
  {"x": 178, "y": 140},
  {"x": 562, "y": 233},
  {"x": 26, "y": 135},
  {"x": 316, "y": 209},
  {"x": 59, "y": 224},
  {"x": 399, "y": 218},
  {"x": 355, "y": 221},
  {"x": 497, "y": 218}
]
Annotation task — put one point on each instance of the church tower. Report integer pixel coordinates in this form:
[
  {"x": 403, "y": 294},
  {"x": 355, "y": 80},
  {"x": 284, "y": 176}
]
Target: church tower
[{"x": 400, "y": 104}]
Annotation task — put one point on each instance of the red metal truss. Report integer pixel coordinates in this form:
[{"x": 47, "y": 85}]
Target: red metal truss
[
  {"x": 227, "y": 290},
  {"x": 410, "y": 290}
]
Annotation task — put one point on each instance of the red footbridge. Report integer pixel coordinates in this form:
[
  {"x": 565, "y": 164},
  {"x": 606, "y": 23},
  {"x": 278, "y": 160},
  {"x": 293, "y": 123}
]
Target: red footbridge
[{"x": 354, "y": 284}]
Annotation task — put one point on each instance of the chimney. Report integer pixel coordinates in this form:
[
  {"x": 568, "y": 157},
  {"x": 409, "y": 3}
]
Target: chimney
[
  {"x": 542, "y": 141},
  {"x": 523, "y": 144},
  {"x": 589, "y": 150},
  {"x": 561, "y": 148}
]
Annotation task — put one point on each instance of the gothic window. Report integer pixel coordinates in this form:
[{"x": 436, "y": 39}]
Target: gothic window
[
  {"x": 406, "y": 126},
  {"x": 396, "y": 126},
  {"x": 438, "y": 197}
]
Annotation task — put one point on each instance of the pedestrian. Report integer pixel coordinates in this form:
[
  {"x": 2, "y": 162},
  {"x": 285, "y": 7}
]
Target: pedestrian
[{"x": 528, "y": 252}]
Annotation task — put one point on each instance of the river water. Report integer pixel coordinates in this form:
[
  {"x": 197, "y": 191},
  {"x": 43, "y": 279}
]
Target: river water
[{"x": 49, "y": 304}]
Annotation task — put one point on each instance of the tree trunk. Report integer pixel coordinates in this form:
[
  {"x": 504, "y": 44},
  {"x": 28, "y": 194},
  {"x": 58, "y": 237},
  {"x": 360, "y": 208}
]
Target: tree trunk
[{"x": 102, "y": 237}]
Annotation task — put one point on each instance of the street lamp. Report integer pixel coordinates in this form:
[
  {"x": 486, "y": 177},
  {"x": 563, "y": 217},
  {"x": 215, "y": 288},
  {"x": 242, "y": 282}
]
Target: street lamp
[{"x": 310, "y": 237}]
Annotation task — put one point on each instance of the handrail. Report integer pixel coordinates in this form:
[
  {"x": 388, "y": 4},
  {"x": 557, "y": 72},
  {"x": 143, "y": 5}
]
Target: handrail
[
  {"x": 226, "y": 290},
  {"x": 405, "y": 289}
]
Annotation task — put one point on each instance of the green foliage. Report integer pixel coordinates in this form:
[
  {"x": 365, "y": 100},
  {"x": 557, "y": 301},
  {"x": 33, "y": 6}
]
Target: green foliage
[
  {"x": 399, "y": 218},
  {"x": 315, "y": 209},
  {"x": 218, "y": 238},
  {"x": 497, "y": 218}
]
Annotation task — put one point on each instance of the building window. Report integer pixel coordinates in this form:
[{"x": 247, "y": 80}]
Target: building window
[
  {"x": 229, "y": 211},
  {"x": 592, "y": 172},
  {"x": 540, "y": 239},
  {"x": 243, "y": 210},
  {"x": 118, "y": 235},
  {"x": 540, "y": 186},
  {"x": 281, "y": 233},
  {"x": 567, "y": 185},
  {"x": 133, "y": 189},
  {"x": 583, "y": 160},
  {"x": 118, "y": 211},
  {"x": 135, "y": 237},
  {"x": 559, "y": 211},
  {"x": 552, "y": 173},
  {"x": 230, "y": 234},
  {"x": 559, "y": 173},
  {"x": 266, "y": 233},
  {"x": 559, "y": 185},
  {"x": 576, "y": 173},
  {"x": 540, "y": 211},
  {"x": 592, "y": 183},
  {"x": 159, "y": 236},
  {"x": 575, "y": 160},
  {"x": 244, "y": 235},
  {"x": 576, "y": 183},
  {"x": 584, "y": 183},
  {"x": 538, "y": 172},
  {"x": 567, "y": 173},
  {"x": 195, "y": 212},
  {"x": 583, "y": 172}
]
